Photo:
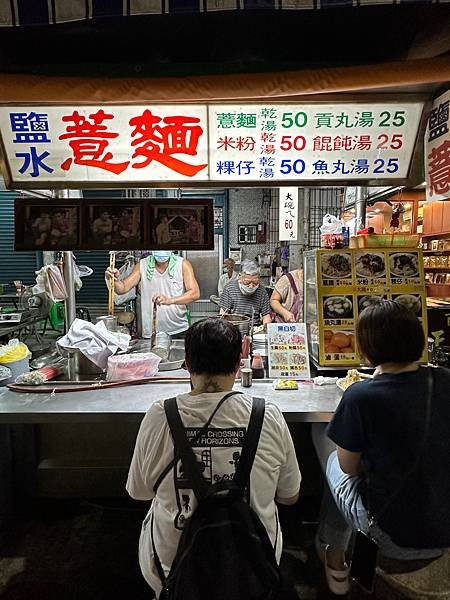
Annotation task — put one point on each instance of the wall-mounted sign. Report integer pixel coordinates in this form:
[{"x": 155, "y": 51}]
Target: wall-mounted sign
[
  {"x": 288, "y": 214},
  {"x": 49, "y": 146},
  {"x": 437, "y": 150}
]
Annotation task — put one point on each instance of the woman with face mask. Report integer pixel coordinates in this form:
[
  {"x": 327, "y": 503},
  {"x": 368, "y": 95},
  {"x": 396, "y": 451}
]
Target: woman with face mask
[
  {"x": 166, "y": 280},
  {"x": 246, "y": 294}
]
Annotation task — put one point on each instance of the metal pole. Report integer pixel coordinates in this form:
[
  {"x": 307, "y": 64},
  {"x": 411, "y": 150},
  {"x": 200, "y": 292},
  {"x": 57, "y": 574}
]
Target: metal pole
[
  {"x": 70, "y": 303},
  {"x": 360, "y": 208},
  {"x": 306, "y": 206},
  {"x": 70, "y": 286}
]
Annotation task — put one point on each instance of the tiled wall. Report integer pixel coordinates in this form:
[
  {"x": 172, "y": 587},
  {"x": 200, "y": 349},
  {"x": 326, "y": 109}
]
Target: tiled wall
[{"x": 246, "y": 207}]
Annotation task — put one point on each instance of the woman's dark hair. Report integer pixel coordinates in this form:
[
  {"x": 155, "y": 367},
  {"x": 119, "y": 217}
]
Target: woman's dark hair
[
  {"x": 387, "y": 332},
  {"x": 213, "y": 346}
]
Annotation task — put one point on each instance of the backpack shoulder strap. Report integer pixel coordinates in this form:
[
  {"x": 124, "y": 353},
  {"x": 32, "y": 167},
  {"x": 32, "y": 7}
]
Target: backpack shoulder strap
[
  {"x": 251, "y": 441},
  {"x": 292, "y": 282},
  {"x": 183, "y": 449}
]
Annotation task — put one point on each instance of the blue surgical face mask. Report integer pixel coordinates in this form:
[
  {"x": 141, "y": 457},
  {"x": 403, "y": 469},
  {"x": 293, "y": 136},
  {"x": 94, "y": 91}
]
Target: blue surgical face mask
[{"x": 162, "y": 256}]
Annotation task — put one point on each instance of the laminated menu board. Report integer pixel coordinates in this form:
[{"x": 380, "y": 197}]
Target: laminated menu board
[
  {"x": 349, "y": 280},
  {"x": 288, "y": 351}
]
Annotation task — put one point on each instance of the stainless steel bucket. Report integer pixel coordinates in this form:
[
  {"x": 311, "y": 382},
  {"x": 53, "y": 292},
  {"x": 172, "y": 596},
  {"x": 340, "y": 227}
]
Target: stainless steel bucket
[{"x": 110, "y": 322}]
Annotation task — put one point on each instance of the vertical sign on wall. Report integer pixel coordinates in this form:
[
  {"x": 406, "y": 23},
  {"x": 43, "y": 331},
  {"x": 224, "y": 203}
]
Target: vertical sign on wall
[
  {"x": 288, "y": 223},
  {"x": 437, "y": 150}
]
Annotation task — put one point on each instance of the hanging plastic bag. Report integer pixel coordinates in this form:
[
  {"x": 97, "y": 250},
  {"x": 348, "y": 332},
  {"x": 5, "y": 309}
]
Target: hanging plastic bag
[
  {"x": 78, "y": 284},
  {"x": 49, "y": 281},
  {"x": 331, "y": 232},
  {"x": 331, "y": 224}
]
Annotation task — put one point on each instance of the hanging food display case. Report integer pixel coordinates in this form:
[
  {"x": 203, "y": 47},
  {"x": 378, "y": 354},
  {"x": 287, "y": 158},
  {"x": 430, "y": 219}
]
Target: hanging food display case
[{"x": 340, "y": 284}]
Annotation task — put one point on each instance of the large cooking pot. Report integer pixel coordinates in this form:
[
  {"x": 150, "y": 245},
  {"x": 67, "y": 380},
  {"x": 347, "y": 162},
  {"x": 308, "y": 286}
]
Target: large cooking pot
[{"x": 242, "y": 322}]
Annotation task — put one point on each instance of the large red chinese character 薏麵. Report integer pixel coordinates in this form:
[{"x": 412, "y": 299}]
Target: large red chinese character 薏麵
[
  {"x": 89, "y": 141},
  {"x": 439, "y": 169},
  {"x": 177, "y": 135}
]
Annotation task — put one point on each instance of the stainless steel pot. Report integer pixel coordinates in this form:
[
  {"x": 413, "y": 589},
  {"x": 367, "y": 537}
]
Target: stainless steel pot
[
  {"x": 142, "y": 345},
  {"x": 110, "y": 322},
  {"x": 78, "y": 364},
  {"x": 174, "y": 361},
  {"x": 242, "y": 322}
]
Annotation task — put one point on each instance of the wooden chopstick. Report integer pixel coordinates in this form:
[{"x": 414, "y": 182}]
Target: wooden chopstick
[{"x": 112, "y": 266}]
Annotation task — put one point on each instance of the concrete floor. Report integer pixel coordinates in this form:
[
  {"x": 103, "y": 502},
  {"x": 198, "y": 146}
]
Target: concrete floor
[{"x": 82, "y": 550}]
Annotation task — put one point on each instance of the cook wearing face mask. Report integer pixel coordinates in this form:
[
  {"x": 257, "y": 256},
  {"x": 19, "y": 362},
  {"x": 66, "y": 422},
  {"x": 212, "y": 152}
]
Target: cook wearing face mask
[
  {"x": 167, "y": 281},
  {"x": 246, "y": 295}
]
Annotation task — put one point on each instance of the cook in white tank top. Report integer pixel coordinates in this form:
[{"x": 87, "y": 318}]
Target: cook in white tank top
[{"x": 171, "y": 319}]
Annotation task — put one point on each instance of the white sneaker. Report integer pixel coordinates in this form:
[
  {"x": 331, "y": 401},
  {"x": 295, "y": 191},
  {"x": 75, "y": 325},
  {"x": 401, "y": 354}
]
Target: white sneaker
[{"x": 338, "y": 580}]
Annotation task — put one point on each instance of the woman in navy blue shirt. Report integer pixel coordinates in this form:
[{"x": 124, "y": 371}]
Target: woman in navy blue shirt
[{"x": 378, "y": 452}]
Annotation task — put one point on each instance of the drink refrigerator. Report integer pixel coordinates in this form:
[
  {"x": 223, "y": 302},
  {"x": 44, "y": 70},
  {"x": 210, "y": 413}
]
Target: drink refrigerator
[{"x": 339, "y": 284}]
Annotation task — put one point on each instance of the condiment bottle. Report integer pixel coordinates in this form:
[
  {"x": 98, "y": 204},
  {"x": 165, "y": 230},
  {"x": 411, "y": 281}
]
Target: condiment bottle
[
  {"x": 257, "y": 366},
  {"x": 245, "y": 346}
]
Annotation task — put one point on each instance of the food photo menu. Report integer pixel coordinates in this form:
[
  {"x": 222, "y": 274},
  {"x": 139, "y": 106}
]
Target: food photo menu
[{"x": 350, "y": 280}]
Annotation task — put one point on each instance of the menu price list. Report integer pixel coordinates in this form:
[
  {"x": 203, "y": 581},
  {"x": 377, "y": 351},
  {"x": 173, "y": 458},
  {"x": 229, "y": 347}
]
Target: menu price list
[
  {"x": 350, "y": 280},
  {"x": 288, "y": 351}
]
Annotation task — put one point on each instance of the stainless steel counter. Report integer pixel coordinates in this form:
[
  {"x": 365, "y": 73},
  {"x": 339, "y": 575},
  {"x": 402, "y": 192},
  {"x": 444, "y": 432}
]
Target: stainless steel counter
[{"x": 310, "y": 403}]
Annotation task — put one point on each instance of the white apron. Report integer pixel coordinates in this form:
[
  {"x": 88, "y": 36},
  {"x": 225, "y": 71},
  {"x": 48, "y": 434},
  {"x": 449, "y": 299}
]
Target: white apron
[{"x": 171, "y": 319}]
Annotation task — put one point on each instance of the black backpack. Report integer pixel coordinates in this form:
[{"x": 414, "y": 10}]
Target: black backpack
[{"x": 224, "y": 551}]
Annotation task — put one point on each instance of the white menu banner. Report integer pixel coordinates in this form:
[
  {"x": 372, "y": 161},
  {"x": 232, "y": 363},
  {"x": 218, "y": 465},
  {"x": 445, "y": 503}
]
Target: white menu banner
[
  {"x": 229, "y": 143},
  {"x": 308, "y": 142},
  {"x": 288, "y": 214},
  {"x": 437, "y": 150}
]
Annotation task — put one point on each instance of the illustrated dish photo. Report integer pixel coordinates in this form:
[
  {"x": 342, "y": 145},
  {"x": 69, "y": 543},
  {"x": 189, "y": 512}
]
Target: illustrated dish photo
[
  {"x": 410, "y": 302},
  {"x": 404, "y": 264},
  {"x": 365, "y": 301},
  {"x": 370, "y": 264},
  {"x": 336, "y": 266},
  {"x": 337, "y": 307}
]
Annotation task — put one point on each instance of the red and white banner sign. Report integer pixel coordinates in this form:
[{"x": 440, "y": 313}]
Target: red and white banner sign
[
  {"x": 58, "y": 145},
  {"x": 437, "y": 150}
]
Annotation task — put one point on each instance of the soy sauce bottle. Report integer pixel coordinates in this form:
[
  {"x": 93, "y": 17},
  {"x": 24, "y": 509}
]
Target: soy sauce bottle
[{"x": 257, "y": 366}]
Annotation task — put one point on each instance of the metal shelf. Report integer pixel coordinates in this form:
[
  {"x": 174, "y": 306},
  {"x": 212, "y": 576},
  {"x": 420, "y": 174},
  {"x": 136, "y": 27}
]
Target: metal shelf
[
  {"x": 439, "y": 252},
  {"x": 441, "y": 269}
]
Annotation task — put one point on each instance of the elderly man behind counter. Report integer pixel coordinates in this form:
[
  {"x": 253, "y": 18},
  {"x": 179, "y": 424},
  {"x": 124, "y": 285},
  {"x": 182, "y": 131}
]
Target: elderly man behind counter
[{"x": 244, "y": 295}]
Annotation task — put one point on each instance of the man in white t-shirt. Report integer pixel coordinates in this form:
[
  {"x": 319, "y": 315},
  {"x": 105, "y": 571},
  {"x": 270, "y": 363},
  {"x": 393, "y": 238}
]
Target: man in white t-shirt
[
  {"x": 213, "y": 350},
  {"x": 228, "y": 275}
]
